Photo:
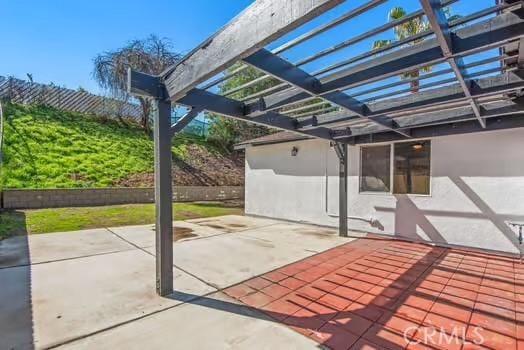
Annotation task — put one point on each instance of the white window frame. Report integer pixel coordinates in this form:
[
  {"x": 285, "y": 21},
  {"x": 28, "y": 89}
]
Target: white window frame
[
  {"x": 360, "y": 169},
  {"x": 392, "y": 169}
]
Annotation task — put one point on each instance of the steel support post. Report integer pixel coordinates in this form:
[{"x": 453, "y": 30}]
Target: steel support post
[
  {"x": 342, "y": 153},
  {"x": 163, "y": 198}
]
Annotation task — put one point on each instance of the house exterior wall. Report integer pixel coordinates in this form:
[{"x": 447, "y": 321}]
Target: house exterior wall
[{"x": 477, "y": 185}]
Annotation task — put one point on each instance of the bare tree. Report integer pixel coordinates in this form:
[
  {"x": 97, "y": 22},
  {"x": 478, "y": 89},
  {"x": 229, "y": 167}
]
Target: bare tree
[{"x": 151, "y": 55}]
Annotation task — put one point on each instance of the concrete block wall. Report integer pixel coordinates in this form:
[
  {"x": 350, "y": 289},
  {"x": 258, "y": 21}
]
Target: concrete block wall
[
  {"x": 81, "y": 197},
  {"x": 204, "y": 193}
]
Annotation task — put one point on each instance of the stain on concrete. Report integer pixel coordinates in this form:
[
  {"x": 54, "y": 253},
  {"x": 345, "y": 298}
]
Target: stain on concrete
[
  {"x": 238, "y": 225},
  {"x": 227, "y": 227},
  {"x": 259, "y": 243},
  {"x": 220, "y": 227},
  {"x": 325, "y": 234},
  {"x": 182, "y": 233}
]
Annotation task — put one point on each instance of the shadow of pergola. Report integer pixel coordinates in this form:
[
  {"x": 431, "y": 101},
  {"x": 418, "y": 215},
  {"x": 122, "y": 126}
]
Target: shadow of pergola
[
  {"x": 16, "y": 305},
  {"x": 393, "y": 296},
  {"x": 420, "y": 218}
]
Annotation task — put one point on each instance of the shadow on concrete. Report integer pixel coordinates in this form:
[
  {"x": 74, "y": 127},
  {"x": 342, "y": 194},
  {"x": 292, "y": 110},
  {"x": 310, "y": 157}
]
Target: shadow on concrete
[
  {"x": 390, "y": 318},
  {"x": 16, "y": 311},
  {"x": 334, "y": 325}
]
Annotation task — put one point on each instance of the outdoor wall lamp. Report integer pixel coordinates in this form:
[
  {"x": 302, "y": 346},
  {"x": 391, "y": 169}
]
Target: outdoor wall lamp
[{"x": 294, "y": 151}]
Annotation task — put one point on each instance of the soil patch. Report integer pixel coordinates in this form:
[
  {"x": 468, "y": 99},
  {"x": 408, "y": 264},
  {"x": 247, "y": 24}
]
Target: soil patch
[{"x": 200, "y": 167}]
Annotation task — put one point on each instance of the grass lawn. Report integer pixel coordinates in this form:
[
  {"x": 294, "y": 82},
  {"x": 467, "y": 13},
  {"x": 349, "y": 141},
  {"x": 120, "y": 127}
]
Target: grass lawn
[{"x": 71, "y": 219}]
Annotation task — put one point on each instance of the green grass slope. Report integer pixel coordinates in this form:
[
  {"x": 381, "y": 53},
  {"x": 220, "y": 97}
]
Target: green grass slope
[{"x": 49, "y": 148}]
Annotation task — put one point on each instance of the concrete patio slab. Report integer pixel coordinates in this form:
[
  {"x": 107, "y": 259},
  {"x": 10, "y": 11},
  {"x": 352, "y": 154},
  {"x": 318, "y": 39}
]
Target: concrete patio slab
[
  {"x": 143, "y": 236},
  {"x": 140, "y": 235},
  {"x": 207, "y": 323},
  {"x": 234, "y": 223},
  {"x": 232, "y": 258},
  {"x": 80, "y": 283},
  {"x": 311, "y": 238},
  {"x": 58, "y": 246},
  {"x": 75, "y": 297}
]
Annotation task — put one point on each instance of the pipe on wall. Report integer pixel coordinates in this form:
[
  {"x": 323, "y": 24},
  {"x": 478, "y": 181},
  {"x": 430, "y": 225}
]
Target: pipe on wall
[{"x": 373, "y": 222}]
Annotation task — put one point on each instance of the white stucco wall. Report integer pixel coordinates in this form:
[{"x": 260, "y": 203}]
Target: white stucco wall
[{"x": 477, "y": 185}]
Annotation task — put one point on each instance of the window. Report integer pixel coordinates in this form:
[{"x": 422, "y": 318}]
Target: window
[
  {"x": 412, "y": 167},
  {"x": 410, "y": 173},
  {"x": 375, "y": 173}
]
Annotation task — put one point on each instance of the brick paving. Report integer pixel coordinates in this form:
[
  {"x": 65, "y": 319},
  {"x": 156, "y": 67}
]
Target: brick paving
[{"x": 389, "y": 294}]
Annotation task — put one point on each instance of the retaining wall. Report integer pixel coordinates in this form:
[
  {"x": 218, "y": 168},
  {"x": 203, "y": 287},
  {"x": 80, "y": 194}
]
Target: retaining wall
[{"x": 52, "y": 198}]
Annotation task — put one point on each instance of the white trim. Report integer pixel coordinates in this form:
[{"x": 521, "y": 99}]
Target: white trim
[{"x": 392, "y": 169}]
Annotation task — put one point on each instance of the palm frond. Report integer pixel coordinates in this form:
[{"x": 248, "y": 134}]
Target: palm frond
[
  {"x": 427, "y": 69},
  {"x": 396, "y": 13},
  {"x": 377, "y": 44},
  {"x": 407, "y": 30}
]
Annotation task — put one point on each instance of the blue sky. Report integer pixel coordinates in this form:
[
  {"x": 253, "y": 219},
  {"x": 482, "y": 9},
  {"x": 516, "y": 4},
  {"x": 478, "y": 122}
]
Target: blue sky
[{"x": 56, "y": 40}]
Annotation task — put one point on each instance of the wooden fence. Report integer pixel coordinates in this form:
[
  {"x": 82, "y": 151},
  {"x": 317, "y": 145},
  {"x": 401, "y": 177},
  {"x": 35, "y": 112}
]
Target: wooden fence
[{"x": 23, "y": 92}]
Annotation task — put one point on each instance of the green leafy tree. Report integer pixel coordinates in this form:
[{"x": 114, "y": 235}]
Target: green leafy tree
[
  {"x": 406, "y": 30},
  {"x": 151, "y": 55},
  {"x": 225, "y": 132}
]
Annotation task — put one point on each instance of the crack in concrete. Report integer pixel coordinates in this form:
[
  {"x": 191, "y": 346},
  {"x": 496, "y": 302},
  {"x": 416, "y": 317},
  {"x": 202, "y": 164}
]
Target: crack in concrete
[{"x": 212, "y": 285}]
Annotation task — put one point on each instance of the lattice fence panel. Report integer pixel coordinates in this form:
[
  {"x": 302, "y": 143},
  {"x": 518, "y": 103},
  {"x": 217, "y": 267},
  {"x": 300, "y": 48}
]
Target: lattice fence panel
[{"x": 23, "y": 92}]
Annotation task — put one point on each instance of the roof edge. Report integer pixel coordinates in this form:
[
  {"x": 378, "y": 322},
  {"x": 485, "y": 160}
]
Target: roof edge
[{"x": 279, "y": 137}]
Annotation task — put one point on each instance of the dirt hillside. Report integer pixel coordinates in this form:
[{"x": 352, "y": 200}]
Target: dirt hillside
[{"x": 200, "y": 167}]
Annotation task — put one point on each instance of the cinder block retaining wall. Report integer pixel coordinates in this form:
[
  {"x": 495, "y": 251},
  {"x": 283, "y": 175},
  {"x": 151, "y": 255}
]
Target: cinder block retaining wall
[{"x": 52, "y": 198}]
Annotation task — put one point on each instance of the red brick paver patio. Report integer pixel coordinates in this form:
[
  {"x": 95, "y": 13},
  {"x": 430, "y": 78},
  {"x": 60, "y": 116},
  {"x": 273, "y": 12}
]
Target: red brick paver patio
[{"x": 389, "y": 294}]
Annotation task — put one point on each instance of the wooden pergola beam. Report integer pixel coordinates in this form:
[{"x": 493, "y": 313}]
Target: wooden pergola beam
[
  {"x": 477, "y": 37},
  {"x": 482, "y": 87},
  {"x": 439, "y": 23},
  {"x": 184, "y": 120},
  {"x": 260, "y": 24},
  {"x": 456, "y": 128},
  {"x": 235, "y": 109},
  {"x": 435, "y": 118},
  {"x": 281, "y": 69}
]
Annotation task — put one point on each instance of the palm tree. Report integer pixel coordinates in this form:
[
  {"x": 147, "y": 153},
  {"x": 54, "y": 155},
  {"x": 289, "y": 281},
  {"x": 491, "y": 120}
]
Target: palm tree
[{"x": 405, "y": 30}]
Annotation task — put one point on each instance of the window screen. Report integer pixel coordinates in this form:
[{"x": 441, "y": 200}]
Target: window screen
[
  {"x": 375, "y": 169},
  {"x": 412, "y": 167}
]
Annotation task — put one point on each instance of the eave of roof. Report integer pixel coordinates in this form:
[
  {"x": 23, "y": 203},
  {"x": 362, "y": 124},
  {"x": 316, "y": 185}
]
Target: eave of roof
[{"x": 279, "y": 137}]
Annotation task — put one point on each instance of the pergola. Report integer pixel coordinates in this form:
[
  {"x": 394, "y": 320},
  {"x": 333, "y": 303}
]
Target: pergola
[{"x": 329, "y": 103}]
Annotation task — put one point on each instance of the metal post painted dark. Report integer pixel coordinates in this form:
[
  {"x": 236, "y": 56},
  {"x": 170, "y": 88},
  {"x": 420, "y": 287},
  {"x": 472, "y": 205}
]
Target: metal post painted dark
[
  {"x": 163, "y": 198},
  {"x": 342, "y": 153}
]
